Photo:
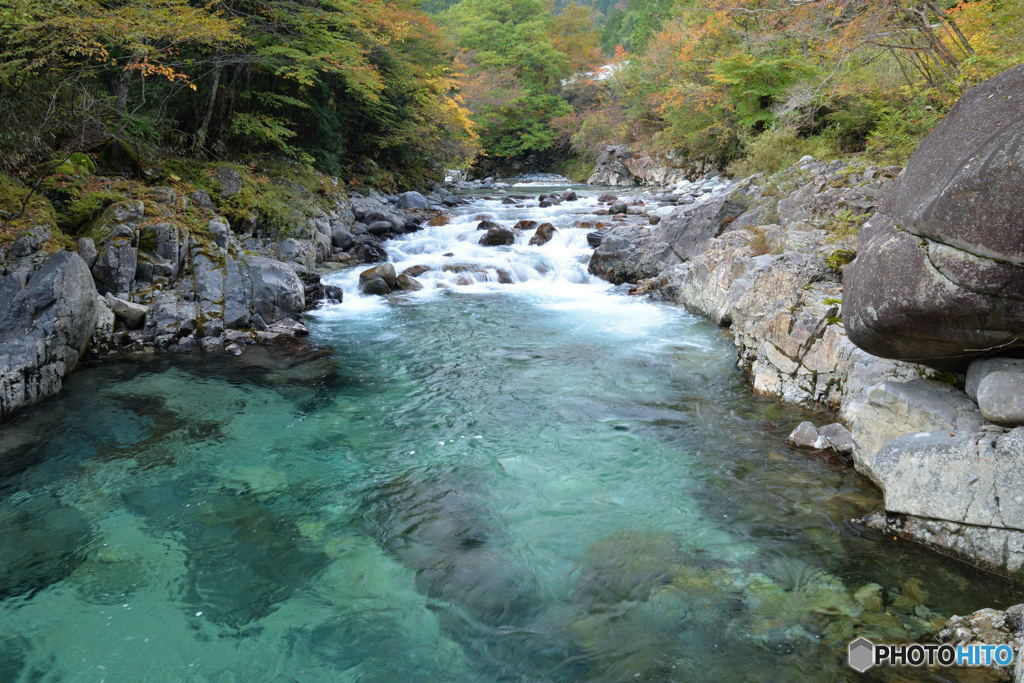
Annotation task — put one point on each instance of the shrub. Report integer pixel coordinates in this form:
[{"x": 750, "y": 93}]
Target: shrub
[
  {"x": 779, "y": 148},
  {"x": 839, "y": 258}
]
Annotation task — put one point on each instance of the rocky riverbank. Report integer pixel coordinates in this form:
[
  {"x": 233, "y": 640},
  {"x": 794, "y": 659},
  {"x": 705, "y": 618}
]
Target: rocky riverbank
[
  {"x": 932, "y": 287},
  {"x": 165, "y": 269}
]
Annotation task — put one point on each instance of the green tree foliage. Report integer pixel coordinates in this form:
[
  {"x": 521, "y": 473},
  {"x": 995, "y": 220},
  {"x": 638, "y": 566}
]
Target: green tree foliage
[
  {"x": 360, "y": 87},
  {"x": 759, "y": 83},
  {"x": 634, "y": 25},
  {"x": 515, "y": 57}
]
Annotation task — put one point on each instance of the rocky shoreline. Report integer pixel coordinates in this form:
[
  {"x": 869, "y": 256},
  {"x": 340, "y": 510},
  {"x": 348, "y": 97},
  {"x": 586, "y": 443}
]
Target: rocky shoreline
[
  {"x": 770, "y": 258},
  {"x": 168, "y": 272}
]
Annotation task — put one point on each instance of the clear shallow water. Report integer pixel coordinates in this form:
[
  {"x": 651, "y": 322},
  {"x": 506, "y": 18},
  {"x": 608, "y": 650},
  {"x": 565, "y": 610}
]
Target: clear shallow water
[{"x": 543, "y": 480}]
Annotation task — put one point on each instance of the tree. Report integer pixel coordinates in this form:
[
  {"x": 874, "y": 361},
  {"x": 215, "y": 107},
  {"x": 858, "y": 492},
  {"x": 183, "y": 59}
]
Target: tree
[{"x": 513, "y": 70}]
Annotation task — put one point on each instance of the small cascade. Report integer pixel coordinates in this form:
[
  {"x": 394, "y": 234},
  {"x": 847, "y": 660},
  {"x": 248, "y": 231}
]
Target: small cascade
[{"x": 451, "y": 258}]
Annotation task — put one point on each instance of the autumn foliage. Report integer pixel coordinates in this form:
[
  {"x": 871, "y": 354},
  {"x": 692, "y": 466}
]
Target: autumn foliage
[{"x": 358, "y": 87}]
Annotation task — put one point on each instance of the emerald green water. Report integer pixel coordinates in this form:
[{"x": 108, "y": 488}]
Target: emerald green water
[{"x": 548, "y": 482}]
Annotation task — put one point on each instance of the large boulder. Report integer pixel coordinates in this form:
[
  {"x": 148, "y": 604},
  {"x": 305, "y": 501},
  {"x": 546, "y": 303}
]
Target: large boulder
[
  {"x": 893, "y": 409},
  {"x": 631, "y": 254},
  {"x": 47, "y": 317},
  {"x": 412, "y": 200},
  {"x": 939, "y": 276},
  {"x": 965, "y": 477},
  {"x": 258, "y": 286},
  {"x": 117, "y": 262}
]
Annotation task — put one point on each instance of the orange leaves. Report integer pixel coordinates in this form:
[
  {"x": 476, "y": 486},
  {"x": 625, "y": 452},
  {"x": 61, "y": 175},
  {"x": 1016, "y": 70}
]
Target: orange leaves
[{"x": 148, "y": 68}]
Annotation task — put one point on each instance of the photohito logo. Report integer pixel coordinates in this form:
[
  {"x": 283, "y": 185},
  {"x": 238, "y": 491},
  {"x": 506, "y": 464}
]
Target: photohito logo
[{"x": 863, "y": 654}]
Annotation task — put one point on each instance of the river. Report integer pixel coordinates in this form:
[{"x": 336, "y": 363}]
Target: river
[{"x": 517, "y": 473}]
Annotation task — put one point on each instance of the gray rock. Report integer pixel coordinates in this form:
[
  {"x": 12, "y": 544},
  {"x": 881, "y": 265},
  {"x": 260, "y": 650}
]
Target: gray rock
[
  {"x": 618, "y": 208},
  {"x": 116, "y": 264},
  {"x": 594, "y": 239},
  {"x": 630, "y": 254},
  {"x": 839, "y": 438},
  {"x": 301, "y": 252},
  {"x": 377, "y": 286},
  {"x": 29, "y": 241},
  {"x": 221, "y": 231},
  {"x": 498, "y": 236},
  {"x": 806, "y": 436},
  {"x": 211, "y": 344},
  {"x": 408, "y": 283},
  {"x": 162, "y": 241},
  {"x": 971, "y": 478},
  {"x": 230, "y": 181},
  {"x": 368, "y": 249},
  {"x": 129, "y": 211},
  {"x": 1001, "y": 398},
  {"x": 47, "y": 317},
  {"x": 985, "y": 627},
  {"x": 543, "y": 235},
  {"x": 412, "y": 200},
  {"x": 416, "y": 271},
  {"x": 939, "y": 276},
  {"x": 169, "y": 318},
  {"x": 102, "y": 338},
  {"x": 893, "y": 409},
  {"x": 341, "y": 238},
  {"x": 201, "y": 198},
  {"x": 385, "y": 271},
  {"x": 87, "y": 250},
  {"x": 381, "y": 228},
  {"x": 982, "y": 367},
  {"x": 289, "y": 328},
  {"x": 132, "y": 314},
  {"x": 255, "y": 285}
]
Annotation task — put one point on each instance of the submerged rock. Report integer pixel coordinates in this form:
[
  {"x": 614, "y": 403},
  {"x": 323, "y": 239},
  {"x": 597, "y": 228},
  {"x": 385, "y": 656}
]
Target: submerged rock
[
  {"x": 628, "y": 566},
  {"x": 41, "y": 541},
  {"x": 243, "y": 559},
  {"x": 444, "y": 532}
]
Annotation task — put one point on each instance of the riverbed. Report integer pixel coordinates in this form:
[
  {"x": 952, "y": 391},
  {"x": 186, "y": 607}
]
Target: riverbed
[{"x": 519, "y": 472}]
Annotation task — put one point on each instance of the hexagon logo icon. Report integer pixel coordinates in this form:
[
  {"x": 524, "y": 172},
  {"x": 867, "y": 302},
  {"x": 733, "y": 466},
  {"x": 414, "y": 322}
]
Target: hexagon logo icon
[{"x": 861, "y": 655}]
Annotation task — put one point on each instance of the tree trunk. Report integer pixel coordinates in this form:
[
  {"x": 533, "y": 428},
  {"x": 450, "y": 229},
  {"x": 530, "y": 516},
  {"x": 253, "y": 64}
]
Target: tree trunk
[{"x": 204, "y": 127}]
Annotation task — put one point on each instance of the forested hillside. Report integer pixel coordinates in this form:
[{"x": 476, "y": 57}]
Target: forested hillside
[
  {"x": 392, "y": 92},
  {"x": 742, "y": 84},
  {"x": 356, "y": 87}
]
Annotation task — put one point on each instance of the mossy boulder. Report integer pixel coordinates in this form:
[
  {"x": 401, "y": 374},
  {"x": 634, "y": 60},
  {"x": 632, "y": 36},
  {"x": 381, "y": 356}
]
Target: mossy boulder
[{"x": 117, "y": 157}]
